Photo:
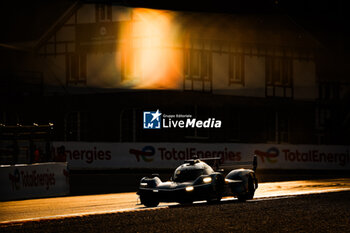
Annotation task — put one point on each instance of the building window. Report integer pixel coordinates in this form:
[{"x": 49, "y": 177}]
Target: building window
[
  {"x": 198, "y": 133},
  {"x": 197, "y": 70},
  {"x": 233, "y": 124},
  {"x": 127, "y": 125},
  {"x": 323, "y": 115},
  {"x": 329, "y": 91},
  {"x": 194, "y": 64},
  {"x": 76, "y": 126},
  {"x": 131, "y": 64},
  {"x": 186, "y": 63},
  {"x": 322, "y": 123},
  {"x": 283, "y": 128},
  {"x": 76, "y": 68},
  {"x": 277, "y": 127},
  {"x": 279, "y": 73},
  {"x": 205, "y": 65},
  {"x": 103, "y": 12},
  {"x": 236, "y": 69},
  {"x": 197, "y": 64}
]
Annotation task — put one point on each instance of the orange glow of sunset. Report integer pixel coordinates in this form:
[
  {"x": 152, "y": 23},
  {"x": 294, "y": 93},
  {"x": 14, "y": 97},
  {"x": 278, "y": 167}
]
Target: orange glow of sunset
[{"x": 149, "y": 56}]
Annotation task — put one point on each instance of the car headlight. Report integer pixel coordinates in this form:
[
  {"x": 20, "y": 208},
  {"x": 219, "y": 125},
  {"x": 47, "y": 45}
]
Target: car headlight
[
  {"x": 189, "y": 188},
  {"x": 143, "y": 184},
  {"x": 207, "y": 180}
]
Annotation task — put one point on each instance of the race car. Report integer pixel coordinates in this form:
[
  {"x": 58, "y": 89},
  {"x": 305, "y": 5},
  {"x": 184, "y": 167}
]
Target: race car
[{"x": 195, "y": 180}]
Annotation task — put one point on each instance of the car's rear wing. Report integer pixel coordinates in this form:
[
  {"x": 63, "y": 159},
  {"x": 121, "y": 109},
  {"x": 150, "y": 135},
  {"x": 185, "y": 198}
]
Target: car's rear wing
[
  {"x": 253, "y": 164},
  {"x": 216, "y": 163}
]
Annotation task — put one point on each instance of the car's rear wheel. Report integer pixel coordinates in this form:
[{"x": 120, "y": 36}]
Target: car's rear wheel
[
  {"x": 251, "y": 190},
  {"x": 149, "y": 202}
]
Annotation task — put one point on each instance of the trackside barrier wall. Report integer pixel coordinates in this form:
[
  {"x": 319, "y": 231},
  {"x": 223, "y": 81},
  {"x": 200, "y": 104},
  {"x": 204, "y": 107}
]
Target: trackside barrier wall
[
  {"x": 33, "y": 180},
  {"x": 94, "y": 156}
]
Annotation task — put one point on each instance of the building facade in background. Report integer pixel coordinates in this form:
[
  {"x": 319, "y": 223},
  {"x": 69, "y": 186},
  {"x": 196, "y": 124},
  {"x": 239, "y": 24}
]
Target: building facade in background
[{"x": 98, "y": 67}]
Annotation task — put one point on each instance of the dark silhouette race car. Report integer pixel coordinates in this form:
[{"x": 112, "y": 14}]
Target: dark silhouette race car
[{"x": 195, "y": 180}]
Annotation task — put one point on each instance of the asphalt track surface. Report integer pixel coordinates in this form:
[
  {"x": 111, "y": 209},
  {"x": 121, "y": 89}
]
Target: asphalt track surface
[{"x": 12, "y": 212}]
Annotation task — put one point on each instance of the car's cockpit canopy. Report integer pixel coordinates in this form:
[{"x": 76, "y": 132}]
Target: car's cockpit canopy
[{"x": 189, "y": 171}]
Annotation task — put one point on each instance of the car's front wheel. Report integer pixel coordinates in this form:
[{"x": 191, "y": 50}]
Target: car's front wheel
[{"x": 149, "y": 202}]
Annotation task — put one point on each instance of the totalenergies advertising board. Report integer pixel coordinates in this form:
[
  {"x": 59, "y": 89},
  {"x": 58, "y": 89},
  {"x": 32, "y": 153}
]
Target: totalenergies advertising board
[{"x": 100, "y": 156}]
